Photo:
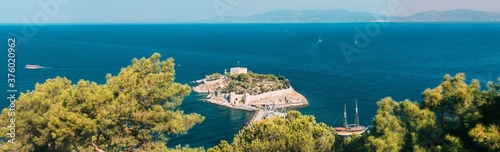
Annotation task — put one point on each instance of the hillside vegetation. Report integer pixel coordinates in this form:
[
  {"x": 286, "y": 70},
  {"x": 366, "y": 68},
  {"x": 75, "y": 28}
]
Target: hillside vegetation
[{"x": 254, "y": 84}]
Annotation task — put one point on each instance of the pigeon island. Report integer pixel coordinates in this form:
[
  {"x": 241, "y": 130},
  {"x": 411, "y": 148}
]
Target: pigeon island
[{"x": 243, "y": 89}]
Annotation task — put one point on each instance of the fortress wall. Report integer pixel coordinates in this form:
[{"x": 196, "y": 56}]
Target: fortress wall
[
  {"x": 233, "y": 98},
  {"x": 276, "y": 93}
]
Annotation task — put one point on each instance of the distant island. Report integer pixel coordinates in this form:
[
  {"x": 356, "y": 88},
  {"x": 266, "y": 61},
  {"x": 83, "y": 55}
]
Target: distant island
[
  {"x": 243, "y": 89},
  {"x": 344, "y": 16}
]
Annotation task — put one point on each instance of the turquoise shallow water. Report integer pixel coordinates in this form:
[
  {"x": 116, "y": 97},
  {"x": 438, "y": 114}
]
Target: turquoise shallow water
[{"x": 401, "y": 61}]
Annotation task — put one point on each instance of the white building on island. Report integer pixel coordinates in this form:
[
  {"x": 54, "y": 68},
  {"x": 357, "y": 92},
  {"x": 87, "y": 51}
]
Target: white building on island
[{"x": 238, "y": 70}]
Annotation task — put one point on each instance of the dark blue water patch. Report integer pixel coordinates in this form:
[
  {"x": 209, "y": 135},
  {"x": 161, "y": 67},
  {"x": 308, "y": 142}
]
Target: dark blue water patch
[
  {"x": 206, "y": 134},
  {"x": 401, "y": 61}
]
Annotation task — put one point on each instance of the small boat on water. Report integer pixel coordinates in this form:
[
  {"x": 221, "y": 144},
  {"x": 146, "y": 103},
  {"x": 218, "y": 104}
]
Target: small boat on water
[
  {"x": 33, "y": 67},
  {"x": 349, "y": 129},
  {"x": 319, "y": 40}
]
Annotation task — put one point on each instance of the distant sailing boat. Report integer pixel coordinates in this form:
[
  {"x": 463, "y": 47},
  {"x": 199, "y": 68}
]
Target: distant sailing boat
[
  {"x": 349, "y": 129},
  {"x": 319, "y": 40}
]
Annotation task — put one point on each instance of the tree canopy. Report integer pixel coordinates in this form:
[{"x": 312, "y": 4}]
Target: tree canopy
[
  {"x": 213, "y": 76},
  {"x": 254, "y": 83},
  {"x": 296, "y": 132},
  {"x": 454, "y": 116},
  {"x": 134, "y": 111}
]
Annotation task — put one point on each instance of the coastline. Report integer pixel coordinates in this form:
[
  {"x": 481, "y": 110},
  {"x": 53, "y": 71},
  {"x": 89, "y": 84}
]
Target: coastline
[
  {"x": 250, "y": 108},
  {"x": 259, "y": 107},
  {"x": 258, "y": 114}
]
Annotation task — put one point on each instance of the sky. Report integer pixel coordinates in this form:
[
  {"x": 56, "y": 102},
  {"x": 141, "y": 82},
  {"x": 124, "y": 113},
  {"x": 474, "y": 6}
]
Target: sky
[{"x": 158, "y": 11}]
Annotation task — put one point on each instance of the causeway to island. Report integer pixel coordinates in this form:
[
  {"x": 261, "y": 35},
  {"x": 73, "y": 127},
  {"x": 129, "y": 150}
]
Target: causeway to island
[{"x": 243, "y": 89}]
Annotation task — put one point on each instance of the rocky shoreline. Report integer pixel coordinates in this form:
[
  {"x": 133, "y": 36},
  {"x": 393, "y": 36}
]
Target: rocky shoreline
[
  {"x": 279, "y": 98},
  {"x": 250, "y": 108},
  {"x": 263, "y": 104}
]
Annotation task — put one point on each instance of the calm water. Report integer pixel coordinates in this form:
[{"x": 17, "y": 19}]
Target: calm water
[{"x": 401, "y": 61}]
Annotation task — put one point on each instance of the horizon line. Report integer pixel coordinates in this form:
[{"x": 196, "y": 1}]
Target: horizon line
[
  {"x": 203, "y": 21},
  {"x": 160, "y": 23}
]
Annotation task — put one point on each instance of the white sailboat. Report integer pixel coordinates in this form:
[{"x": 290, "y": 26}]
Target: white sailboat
[{"x": 319, "y": 40}]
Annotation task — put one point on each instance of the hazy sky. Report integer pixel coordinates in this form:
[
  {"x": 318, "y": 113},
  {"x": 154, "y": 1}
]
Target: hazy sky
[{"x": 111, "y": 11}]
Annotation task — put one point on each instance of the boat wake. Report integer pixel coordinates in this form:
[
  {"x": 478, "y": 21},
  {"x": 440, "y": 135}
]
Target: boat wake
[{"x": 35, "y": 67}]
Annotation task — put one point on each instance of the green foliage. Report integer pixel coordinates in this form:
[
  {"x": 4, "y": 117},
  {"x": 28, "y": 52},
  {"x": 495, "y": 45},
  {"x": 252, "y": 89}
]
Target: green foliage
[
  {"x": 452, "y": 144},
  {"x": 449, "y": 119},
  {"x": 213, "y": 76},
  {"x": 244, "y": 77},
  {"x": 460, "y": 107},
  {"x": 253, "y": 83},
  {"x": 293, "y": 133},
  {"x": 452, "y": 100},
  {"x": 388, "y": 128},
  {"x": 452, "y": 118},
  {"x": 223, "y": 146},
  {"x": 134, "y": 111},
  {"x": 355, "y": 142},
  {"x": 488, "y": 137}
]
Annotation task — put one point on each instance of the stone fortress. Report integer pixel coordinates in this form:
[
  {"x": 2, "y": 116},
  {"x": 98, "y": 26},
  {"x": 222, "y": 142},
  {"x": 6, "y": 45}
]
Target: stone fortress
[{"x": 278, "y": 98}]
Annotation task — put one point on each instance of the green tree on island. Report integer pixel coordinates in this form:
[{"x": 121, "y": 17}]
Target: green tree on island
[
  {"x": 213, "y": 76},
  {"x": 254, "y": 83},
  {"x": 134, "y": 111}
]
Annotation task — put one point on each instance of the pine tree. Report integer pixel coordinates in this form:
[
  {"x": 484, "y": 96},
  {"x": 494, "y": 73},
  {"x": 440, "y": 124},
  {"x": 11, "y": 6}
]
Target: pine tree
[{"x": 136, "y": 110}]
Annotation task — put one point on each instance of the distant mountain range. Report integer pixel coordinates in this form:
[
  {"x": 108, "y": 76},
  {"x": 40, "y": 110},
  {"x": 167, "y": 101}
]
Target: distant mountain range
[
  {"x": 459, "y": 15},
  {"x": 340, "y": 15}
]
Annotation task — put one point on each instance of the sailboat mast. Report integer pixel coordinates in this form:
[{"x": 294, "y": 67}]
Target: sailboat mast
[
  {"x": 345, "y": 118},
  {"x": 356, "y": 120}
]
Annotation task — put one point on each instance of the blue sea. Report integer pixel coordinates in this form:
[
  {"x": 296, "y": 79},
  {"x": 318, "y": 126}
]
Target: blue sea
[{"x": 398, "y": 60}]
